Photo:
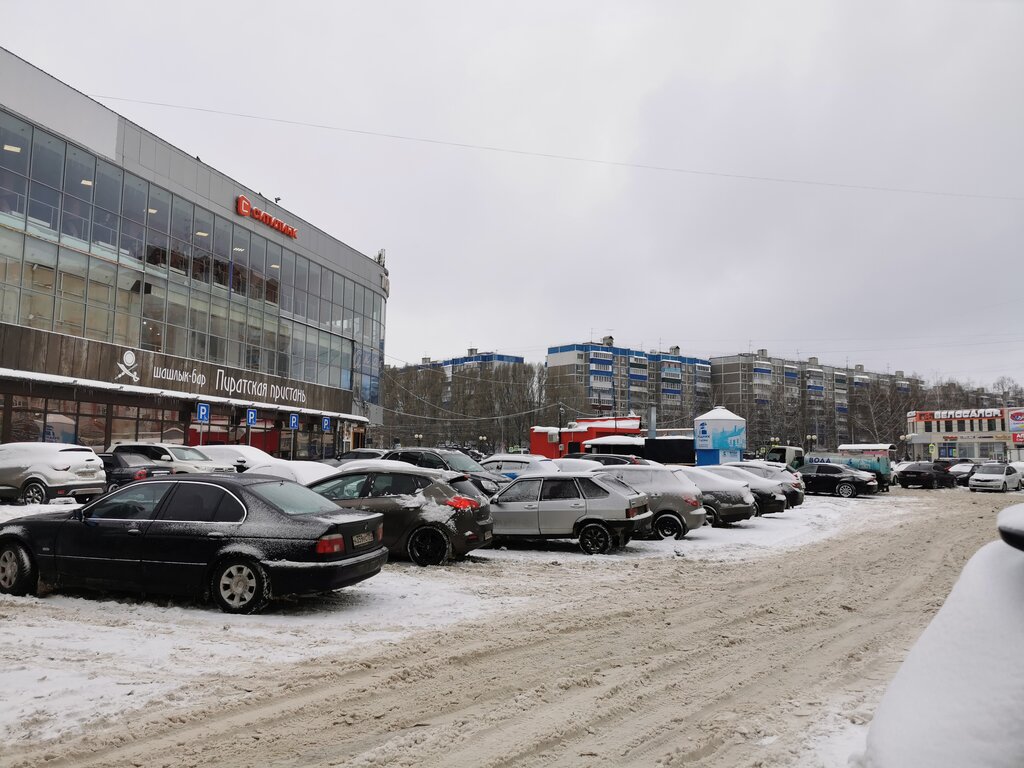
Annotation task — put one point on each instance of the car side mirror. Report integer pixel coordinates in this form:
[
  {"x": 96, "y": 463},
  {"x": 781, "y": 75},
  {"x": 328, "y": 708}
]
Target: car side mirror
[
  {"x": 165, "y": 457},
  {"x": 78, "y": 515}
]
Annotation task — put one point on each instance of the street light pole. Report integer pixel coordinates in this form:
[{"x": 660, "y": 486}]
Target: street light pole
[{"x": 419, "y": 438}]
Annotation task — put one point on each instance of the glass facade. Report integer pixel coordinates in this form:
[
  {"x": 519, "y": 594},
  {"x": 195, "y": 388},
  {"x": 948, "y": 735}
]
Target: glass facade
[{"x": 88, "y": 249}]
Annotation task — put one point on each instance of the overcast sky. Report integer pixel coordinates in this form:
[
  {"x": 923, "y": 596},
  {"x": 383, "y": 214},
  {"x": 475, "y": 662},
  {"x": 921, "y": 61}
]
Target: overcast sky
[{"x": 714, "y": 246}]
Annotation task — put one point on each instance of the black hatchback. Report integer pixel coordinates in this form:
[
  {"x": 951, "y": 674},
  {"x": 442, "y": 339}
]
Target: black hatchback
[
  {"x": 838, "y": 479},
  {"x": 236, "y": 538}
]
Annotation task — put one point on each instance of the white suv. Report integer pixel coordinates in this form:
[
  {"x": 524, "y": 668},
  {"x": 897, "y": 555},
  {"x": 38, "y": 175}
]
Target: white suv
[
  {"x": 38, "y": 472},
  {"x": 996, "y": 476},
  {"x": 180, "y": 458}
]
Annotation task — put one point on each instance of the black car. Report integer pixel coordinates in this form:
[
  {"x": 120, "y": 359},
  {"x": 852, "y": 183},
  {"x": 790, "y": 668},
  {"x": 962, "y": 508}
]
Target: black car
[
  {"x": 124, "y": 468},
  {"x": 487, "y": 483},
  {"x": 238, "y": 538},
  {"x": 838, "y": 479},
  {"x": 608, "y": 459},
  {"x": 927, "y": 474}
]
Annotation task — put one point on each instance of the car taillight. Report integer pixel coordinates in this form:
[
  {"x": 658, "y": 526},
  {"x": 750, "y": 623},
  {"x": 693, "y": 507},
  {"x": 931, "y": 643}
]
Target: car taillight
[
  {"x": 331, "y": 544},
  {"x": 462, "y": 502},
  {"x": 631, "y": 512},
  {"x": 140, "y": 475},
  {"x": 692, "y": 501},
  {"x": 797, "y": 486},
  {"x": 380, "y": 532}
]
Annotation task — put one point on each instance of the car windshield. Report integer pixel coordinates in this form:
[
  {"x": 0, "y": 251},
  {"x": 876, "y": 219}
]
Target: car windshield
[
  {"x": 990, "y": 469},
  {"x": 183, "y": 453},
  {"x": 135, "y": 460},
  {"x": 293, "y": 499},
  {"x": 462, "y": 462}
]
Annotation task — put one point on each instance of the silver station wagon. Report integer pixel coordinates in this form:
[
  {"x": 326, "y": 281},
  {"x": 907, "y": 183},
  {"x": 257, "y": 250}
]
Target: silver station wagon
[{"x": 597, "y": 510}]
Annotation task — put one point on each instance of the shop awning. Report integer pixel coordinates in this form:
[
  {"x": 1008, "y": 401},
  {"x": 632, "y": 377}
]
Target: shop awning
[{"x": 50, "y": 378}]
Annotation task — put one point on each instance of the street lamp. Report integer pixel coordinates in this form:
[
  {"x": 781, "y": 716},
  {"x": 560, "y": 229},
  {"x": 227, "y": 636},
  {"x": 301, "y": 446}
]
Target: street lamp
[
  {"x": 905, "y": 439},
  {"x": 482, "y": 440},
  {"x": 811, "y": 440},
  {"x": 419, "y": 438}
]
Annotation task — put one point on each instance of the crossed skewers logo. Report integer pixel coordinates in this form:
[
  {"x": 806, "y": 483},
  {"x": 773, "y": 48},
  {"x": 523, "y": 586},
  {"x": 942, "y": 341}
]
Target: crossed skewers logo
[{"x": 128, "y": 365}]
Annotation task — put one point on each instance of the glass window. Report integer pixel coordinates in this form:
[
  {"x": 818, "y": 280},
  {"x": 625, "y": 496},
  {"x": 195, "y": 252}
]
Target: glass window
[
  {"x": 193, "y": 502},
  {"x": 218, "y": 317},
  {"x": 75, "y": 221},
  {"x": 177, "y": 304},
  {"x": 101, "y": 283},
  {"x": 520, "y": 491},
  {"x": 342, "y": 488},
  {"x": 181, "y": 256},
  {"x": 9, "y": 300},
  {"x": 69, "y": 317},
  {"x": 133, "y": 240},
  {"x": 136, "y": 502},
  {"x": 315, "y": 276},
  {"x": 199, "y": 312},
  {"x": 301, "y": 272},
  {"x": 129, "y": 291},
  {"x": 99, "y": 324},
  {"x": 79, "y": 174},
  {"x": 37, "y": 310},
  {"x": 181, "y": 219},
  {"x": 72, "y": 274},
  {"x": 107, "y": 191},
  {"x": 43, "y": 210},
  {"x": 559, "y": 489},
  {"x": 591, "y": 490},
  {"x": 126, "y": 329},
  {"x": 11, "y": 246},
  {"x": 257, "y": 268},
  {"x": 159, "y": 209},
  {"x": 157, "y": 247},
  {"x": 104, "y": 232},
  {"x": 135, "y": 200},
  {"x": 47, "y": 159},
  {"x": 13, "y": 198},
  {"x": 292, "y": 498},
  {"x": 240, "y": 261},
  {"x": 15, "y": 137},
  {"x": 222, "y": 233},
  {"x": 40, "y": 265}
]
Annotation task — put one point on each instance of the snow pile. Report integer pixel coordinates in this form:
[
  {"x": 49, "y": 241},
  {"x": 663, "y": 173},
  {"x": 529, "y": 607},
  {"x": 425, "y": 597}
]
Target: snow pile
[{"x": 958, "y": 698}]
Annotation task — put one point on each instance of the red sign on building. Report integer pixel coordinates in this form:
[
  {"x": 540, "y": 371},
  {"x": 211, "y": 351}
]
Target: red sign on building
[{"x": 245, "y": 208}]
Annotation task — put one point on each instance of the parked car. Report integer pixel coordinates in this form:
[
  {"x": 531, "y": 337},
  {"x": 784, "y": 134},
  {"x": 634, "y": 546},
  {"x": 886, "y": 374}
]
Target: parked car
[
  {"x": 838, "y": 479},
  {"x": 927, "y": 474},
  {"x": 577, "y": 465},
  {"x": 124, "y": 468},
  {"x": 241, "y": 457},
  {"x": 792, "y": 485},
  {"x": 428, "y": 515},
  {"x": 964, "y": 478},
  {"x": 486, "y": 481},
  {"x": 302, "y": 472},
  {"x": 39, "y": 472},
  {"x": 608, "y": 458},
  {"x": 512, "y": 465},
  {"x": 996, "y": 476},
  {"x": 237, "y": 538},
  {"x": 180, "y": 458},
  {"x": 675, "y": 501},
  {"x": 354, "y": 455},
  {"x": 596, "y": 509},
  {"x": 899, "y": 467},
  {"x": 725, "y": 500},
  {"x": 769, "y": 496}
]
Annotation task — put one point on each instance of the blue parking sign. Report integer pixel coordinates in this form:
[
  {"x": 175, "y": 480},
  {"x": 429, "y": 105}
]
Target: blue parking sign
[
  {"x": 250, "y": 417},
  {"x": 293, "y": 421},
  {"x": 326, "y": 424},
  {"x": 203, "y": 413}
]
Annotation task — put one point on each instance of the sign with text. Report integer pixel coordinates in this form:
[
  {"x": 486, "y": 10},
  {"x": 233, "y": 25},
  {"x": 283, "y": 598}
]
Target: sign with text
[{"x": 203, "y": 413}]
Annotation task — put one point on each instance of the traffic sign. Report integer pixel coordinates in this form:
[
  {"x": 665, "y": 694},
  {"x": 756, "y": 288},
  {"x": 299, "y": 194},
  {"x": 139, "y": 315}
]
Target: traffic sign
[
  {"x": 203, "y": 413},
  {"x": 250, "y": 417},
  {"x": 293, "y": 421},
  {"x": 326, "y": 424}
]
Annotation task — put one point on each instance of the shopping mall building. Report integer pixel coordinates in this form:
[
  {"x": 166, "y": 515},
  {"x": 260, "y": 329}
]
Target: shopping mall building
[
  {"x": 141, "y": 289},
  {"x": 966, "y": 433}
]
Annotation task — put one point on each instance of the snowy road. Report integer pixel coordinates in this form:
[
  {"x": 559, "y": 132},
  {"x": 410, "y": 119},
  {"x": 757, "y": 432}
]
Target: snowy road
[{"x": 759, "y": 643}]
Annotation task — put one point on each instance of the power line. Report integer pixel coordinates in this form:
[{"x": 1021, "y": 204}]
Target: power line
[{"x": 571, "y": 158}]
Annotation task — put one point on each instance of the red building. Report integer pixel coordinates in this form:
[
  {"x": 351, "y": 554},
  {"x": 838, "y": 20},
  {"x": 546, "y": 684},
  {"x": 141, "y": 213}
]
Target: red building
[{"x": 555, "y": 443}]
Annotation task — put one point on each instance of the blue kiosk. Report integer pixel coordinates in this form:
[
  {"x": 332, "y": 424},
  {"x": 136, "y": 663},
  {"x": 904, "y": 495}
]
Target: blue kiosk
[{"x": 719, "y": 436}]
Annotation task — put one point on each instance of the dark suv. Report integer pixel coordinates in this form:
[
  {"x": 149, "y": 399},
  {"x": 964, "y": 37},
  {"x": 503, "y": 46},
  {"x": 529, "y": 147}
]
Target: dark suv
[
  {"x": 838, "y": 479},
  {"x": 927, "y": 474},
  {"x": 487, "y": 482}
]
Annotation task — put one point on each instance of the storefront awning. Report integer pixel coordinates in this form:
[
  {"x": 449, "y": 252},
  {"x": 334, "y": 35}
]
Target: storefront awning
[{"x": 49, "y": 378}]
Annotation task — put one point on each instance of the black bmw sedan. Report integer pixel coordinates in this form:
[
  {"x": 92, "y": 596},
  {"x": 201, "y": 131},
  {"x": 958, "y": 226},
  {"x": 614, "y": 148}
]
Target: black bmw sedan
[{"x": 239, "y": 539}]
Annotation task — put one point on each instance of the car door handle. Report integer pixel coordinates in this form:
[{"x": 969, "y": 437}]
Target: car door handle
[
  {"x": 577, "y": 505},
  {"x": 530, "y": 506},
  {"x": 215, "y": 535},
  {"x": 134, "y": 532}
]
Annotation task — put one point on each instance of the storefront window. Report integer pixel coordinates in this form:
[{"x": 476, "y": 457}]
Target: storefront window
[
  {"x": 122, "y": 425},
  {"x": 104, "y": 232},
  {"x": 99, "y": 324},
  {"x": 133, "y": 241},
  {"x": 17, "y": 136},
  {"x": 79, "y": 174},
  {"x": 126, "y": 329},
  {"x": 135, "y": 200},
  {"x": 221, "y": 252},
  {"x": 159, "y": 210},
  {"x": 71, "y": 274},
  {"x": 43, "y": 210},
  {"x": 40, "y": 265},
  {"x": 11, "y": 246},
  {"x": 13, "y": 198},
  {"x": 257, "y": 268},
  {"x": 107, "y": 193},
  {"x": 47, "y": 159}
]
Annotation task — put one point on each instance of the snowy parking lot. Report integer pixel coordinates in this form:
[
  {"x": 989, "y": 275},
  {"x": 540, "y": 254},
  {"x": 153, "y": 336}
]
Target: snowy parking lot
[{"x": 76, "y": 667}]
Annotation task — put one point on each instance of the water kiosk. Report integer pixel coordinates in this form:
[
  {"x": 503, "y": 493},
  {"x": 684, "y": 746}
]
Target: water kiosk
[{"x": 719, "y": 436}]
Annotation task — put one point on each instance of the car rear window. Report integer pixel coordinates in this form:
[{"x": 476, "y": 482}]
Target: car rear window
[
  {"x": 617, "y": 484},
  {"x": 293, "y": 499},
  {"x": 187, "y": 454},
  {"x": 591, "y": 490}
]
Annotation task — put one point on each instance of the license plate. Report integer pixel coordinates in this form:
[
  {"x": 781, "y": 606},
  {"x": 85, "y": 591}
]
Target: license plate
[
  {"x": 487, "y": 535},
  {"x": 362, "y": 539}
]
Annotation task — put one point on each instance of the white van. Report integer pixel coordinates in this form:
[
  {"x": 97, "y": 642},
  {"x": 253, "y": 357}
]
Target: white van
[{"x": 39, "y": 472}]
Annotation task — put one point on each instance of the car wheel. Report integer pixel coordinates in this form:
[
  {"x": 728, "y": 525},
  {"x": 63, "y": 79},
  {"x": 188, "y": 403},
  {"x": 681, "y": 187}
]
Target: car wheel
[
  {"x": 34, "y": 492},
  {"x": 846, "y": 490},
  {"x": 714, "y": 516},
  {"x": 1003, "y": 489},
  {"x": 428, "y": 546},
  {"x": 595, "y": 539},
  {"x": 757, "y": 508},
  {"x": 240, "y": 585},
  {"x": 112, "y": 487},
  {"x": 669, "y": 526},
  {"x": 17, "y": 572},
  {"x": 903, "y": 484}
]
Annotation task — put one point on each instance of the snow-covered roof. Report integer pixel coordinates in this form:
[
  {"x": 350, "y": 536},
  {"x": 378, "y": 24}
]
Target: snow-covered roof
[
  {"x": 50, "y": 378},
  {"x": 867, "y": 447},
  {"x": 615, "y": 440},
  {"x": 719, "y": 412}
]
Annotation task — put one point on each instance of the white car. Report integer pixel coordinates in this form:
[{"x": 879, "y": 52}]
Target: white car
[
  {"x": 512, "y": 465},
  {"x": 39, "y": 472},
  {"x": 996, "y": 476},
  {"x": 577, "y": 465},
  {"x": 240, "y": 456},
  {"x": 180, "y": 458},
  {"x": 303, "y": 472}
]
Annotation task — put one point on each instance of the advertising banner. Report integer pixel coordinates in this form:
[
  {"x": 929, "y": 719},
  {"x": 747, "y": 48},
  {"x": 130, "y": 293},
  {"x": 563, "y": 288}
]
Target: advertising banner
[
  {"x": 720, "y": 436},
  {"x": 1015, "y": 420}
]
